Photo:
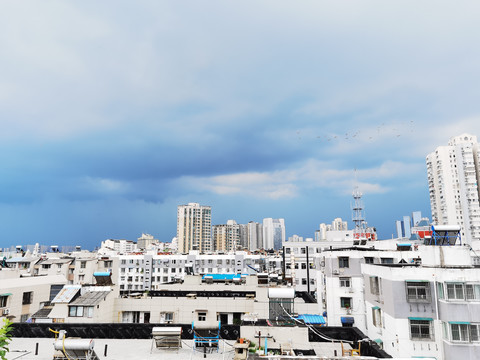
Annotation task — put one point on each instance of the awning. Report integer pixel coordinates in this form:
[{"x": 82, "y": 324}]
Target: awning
[
  {"x": 312, "y": 319},
  {"x": 459, "y": 322},
  {"x": 420, "y": 318},
  {"x": 99, "y": 273},
  {"x": 347, "y": 319},
  {"x": 378, "y": 341},
  {"x": 375, "y": 308},
  {"x": 6, "y": 294}
]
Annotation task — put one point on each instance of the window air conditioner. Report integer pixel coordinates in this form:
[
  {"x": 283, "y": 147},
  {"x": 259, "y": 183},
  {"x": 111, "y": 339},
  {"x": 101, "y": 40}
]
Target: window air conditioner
[
  {"x": 6, "y": 311},
  {"x": 335, "y": 272}
]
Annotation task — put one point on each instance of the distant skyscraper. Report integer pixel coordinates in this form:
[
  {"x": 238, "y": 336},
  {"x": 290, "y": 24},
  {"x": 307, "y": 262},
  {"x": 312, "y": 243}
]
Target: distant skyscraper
[
  {"x": 226, "y": 236},
  {"x": 453, "y": 176},
  {"x": 416, "y": 217},
  {"x": 243, "y": 236},
  {"x": 399, "y": 228},
  {"x": 194, "y": 228},
  {"x": 254, "y": 236},
  {"x": 273, "y": 233},
  {"x": 339, "y": 225},
  {"x": 406, "y": 227}
]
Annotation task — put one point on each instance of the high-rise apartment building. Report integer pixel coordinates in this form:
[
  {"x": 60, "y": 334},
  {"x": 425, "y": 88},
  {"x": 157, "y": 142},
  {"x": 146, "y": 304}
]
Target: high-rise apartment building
[
  {"x": 254, "y": 236},
  {"x": 273, "y": 233},
  {"x": 226, "y": 237},
  {"x": 194, "y": 223},
  {"x": 453, "y": 176}
]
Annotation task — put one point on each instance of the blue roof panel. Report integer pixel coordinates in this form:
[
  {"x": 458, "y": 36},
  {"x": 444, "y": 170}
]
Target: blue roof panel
[
  {"x": 312, "y": 319},
  {"x": 224, "y": 276}
]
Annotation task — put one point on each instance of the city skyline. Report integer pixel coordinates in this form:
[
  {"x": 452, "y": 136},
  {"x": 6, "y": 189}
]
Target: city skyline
[{"x": 111, "y": 119}]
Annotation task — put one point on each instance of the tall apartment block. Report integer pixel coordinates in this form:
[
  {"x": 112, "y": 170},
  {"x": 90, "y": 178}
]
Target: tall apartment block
[
  {"x": 194, "y": 223},
  {"x": 453, "y": 175},
  {"x": 226, "y": 237},
  {"x": 254, "y": 236},
  {"x": 273, "y": 233}
]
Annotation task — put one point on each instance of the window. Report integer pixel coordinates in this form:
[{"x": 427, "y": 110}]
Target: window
[
  {"x": 83, "y": 264},
  {"x": 369, "y": 260},
  {"x": 27, "y": 298},
  {"x": 441, "y": 294},
  {"x": 346, "y": 302},
  {"x": 166, "y": 317},
  {"x": 377, "y": 316},
  {"x": 418, "y": 291},
  {"x": 46, "y": 266},
  {"x": 24, "y": 317},
  {"x": 75, "y": 311},
  {"x": 459, "y": 332},
  {"x": 421, "y": 329},
  {"x": 463, "y": 292},
  {"x": 304, "y": 266},
  {"x": 374, "y": 285},
  {"x": 472, "y": 291},
  {"x": 343, "y": 262},
  {"x": 386, "y": 260},
  {"x": 345, "y": 282},
  {"x": 474, "y": 332},
  {"x": 202, "y": 316},
  {"x": 304, "y": 281},
  {"x": 3, "y": 300}
]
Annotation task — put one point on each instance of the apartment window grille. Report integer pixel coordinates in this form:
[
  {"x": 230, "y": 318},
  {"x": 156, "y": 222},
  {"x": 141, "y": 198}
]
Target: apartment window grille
[
  {"x": 418, "y": 291},
  {"x": 374, "y": 285},
  {"x": 463, "y": 292},
  {"x": 377, "y": 316},
  {"x": 345, "y": 282},
  {"x": 421, "y": 329},
  {"x": 472, "y": 291},
  {"x": 343, "y": 262},
  {"x": 459, "y": 332}
]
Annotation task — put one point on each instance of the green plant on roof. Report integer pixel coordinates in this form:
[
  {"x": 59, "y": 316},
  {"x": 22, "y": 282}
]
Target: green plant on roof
[{"x": 5, "y": 338}]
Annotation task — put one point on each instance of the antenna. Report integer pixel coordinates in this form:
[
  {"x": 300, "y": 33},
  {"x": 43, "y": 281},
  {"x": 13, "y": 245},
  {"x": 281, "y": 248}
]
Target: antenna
[{"x": 358, "y": 211}]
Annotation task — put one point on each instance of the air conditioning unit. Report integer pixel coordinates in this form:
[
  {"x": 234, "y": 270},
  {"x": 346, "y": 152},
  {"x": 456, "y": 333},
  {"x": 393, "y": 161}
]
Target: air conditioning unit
[
  {"x": 335, "y": 272},
  {"x": 350, "y": 290},
  {"x": 6, "y": 311},
  {"x": 80, "y": 271}
]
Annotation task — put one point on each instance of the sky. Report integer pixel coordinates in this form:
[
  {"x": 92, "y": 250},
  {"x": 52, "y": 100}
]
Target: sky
[{"x": 113, "y": 113}]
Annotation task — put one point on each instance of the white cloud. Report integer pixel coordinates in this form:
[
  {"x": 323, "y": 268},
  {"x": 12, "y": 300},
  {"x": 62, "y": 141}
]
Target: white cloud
[
  {"x": 105, "y": 186},
  {"x": 312, "y": 174}
]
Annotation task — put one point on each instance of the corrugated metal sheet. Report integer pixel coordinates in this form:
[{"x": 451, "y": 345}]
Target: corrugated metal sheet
[
  {"x": 66, "y": 294},
  {"x": 90, "y": 298},
  {"x": 224, "y": 276},
  {"x": 312, "y": 319}
]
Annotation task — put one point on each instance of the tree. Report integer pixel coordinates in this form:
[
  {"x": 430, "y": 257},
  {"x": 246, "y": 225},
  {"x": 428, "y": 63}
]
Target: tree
[{"x": 5, "y": 338}]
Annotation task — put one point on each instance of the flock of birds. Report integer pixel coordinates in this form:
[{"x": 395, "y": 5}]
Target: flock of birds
[{"x": 382, "y": 130}]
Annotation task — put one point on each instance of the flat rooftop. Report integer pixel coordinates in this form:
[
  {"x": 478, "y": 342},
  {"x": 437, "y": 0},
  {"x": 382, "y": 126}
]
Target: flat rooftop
[{"x": 120, "y": 349}]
